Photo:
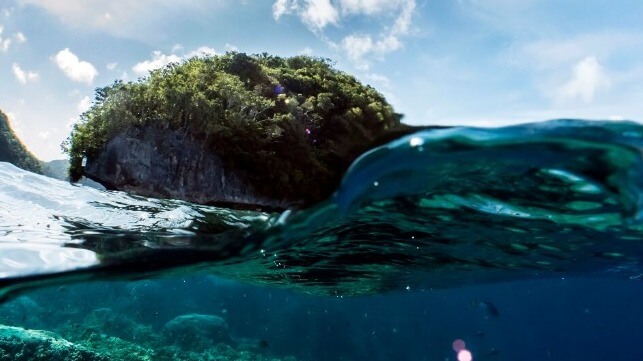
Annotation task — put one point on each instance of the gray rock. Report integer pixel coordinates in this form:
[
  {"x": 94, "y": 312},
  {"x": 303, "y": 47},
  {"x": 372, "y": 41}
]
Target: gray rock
[
  {"x": 170, "y": 164},
  {"x": 196, "y": 332}
]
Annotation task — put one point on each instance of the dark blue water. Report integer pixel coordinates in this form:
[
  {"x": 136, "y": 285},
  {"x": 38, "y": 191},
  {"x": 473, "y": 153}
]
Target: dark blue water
[{"x": 524, "y": 242}]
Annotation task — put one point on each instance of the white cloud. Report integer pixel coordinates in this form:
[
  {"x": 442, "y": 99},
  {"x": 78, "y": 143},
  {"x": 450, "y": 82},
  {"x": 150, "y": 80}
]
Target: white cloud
[
  {"x": 74, "y": 68},
  {"x": 84, "y": 104},
  {"x": 361, "y": 45},
  {"x": 201, "y": 52},
  {"x": 111, "y": 66},
  {"x": 316, "y": 14},
  {"x": 20, "y": 37},
  {"x": 23, "y": 76},
  {"x": 403, "y": 22},
  {"x": 588, "y": 77},
  {"x": 357, "y": 48},
  {"x": 15, "y": 124},
  {"x": 319, "y": 13},
  {"x": 550, "y": 53},
  {"x": 230, "y": 47},
  {"x": 4, "y": 44},
  {"x": 371, "y": 7},
  {"x": 176, "y": 48},
  {"x": 306, "y": 51},
  {"x": 158, "y": 60},
  {"x": 283, "y": 7},
  {"x": 380, "y": 79}
]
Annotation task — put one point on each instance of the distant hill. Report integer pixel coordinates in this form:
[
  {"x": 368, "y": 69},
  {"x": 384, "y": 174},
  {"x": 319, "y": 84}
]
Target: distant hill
[
  {"x": 13, "y": 151},
  {"x": 58, "y": 169}
]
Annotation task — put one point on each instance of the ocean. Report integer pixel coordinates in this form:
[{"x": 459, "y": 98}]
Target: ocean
[{"x": 515, "y": 243}]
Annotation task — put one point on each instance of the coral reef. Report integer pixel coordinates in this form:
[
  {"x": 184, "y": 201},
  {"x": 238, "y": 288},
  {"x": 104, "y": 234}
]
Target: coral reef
[
  {"x": 19, "y": 344},
  {"x": 105, "y": 334}
]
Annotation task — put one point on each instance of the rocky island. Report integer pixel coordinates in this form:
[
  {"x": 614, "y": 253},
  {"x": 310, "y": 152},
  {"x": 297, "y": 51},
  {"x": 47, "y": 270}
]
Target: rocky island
[{"x": 235, "y": 129}]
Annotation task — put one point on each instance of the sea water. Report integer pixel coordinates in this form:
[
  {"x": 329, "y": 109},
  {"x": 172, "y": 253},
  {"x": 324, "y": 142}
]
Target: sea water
[{"x": 517, "y": 243}]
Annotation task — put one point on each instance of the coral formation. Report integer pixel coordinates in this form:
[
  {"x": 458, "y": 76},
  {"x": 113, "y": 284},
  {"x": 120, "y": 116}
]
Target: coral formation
[
  {"x": 106, "y": 334},
  {"x": 19, "y": 344},
  {"x": 196, "y": 332}
]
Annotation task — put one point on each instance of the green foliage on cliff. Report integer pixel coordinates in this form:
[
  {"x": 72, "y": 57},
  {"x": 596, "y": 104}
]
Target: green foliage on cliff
[
  {"x": 291, "y": 126},
  {"x": 13, "y": 151}
]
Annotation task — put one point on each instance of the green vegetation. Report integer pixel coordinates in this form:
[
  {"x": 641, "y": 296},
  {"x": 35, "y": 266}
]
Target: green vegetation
[
  {"x": 289, "y": 126},
  {"x": 13, "y": 151}
]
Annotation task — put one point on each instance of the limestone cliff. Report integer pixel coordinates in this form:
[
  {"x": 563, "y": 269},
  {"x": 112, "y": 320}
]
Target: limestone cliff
[{"x": 151, "y": 162}]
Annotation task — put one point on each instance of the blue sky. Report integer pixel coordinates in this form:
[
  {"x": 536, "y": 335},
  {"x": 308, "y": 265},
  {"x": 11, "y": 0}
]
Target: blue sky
[{"x": 454, "y": 62}]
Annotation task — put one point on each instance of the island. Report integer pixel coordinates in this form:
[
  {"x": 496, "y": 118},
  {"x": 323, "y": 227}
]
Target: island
[{"x": 253, "y": 131}]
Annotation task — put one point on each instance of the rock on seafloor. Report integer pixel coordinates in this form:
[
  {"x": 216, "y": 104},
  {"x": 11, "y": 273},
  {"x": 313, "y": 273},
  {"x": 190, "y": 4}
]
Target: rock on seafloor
[
  {"x": 19, "y": 344},
  {"x": 196, "y": 331}
]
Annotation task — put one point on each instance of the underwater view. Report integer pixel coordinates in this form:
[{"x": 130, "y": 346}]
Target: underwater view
[{"x": 321, "y": 180}]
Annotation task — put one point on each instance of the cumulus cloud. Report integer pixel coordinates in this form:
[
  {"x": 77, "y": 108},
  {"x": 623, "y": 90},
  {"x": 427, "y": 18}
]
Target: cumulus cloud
[
  {"x": 306, "y": 51},
  {"x": 588, "y": 77},
  {"x": 200, "y": 52},
  {"x": 74, "y": 68},
  {"x": 379, "y": 79},
  {"x": 23, "y": 76},
  {"x": 552, "y": 53},
  {"x": 158, "y": 60},
  {"x": 319, "y": 13},
  {"x": 359, "y": 46},
  {"x": 16, "y": 124},
  {"x": 4, "y": 43},
  {"x": 84, "y": 104},
  {"x": 284, "y": 7},
  {"x": 371, "y": 7},
  {"x": 316, "y": 14},
  {"x": 20, "y": 37},
  {"x": 231, "y": 47}
]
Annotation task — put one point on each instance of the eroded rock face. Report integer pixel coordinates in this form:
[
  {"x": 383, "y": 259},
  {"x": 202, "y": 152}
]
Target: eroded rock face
[{"x": 169, "y": 164}]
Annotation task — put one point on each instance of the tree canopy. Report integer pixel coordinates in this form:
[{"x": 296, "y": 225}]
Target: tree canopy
[
  {"x": 290, "y": 126},
  {"x": 13, "y": 151}
]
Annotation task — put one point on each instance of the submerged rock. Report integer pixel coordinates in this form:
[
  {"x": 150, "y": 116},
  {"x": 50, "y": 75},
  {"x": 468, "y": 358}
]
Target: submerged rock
[
  {"x": 108, "y": 322},
  {"x": 196, "y": 332},
  {"x": 19, "y": 344},
  {"x": 22, "y": 311}
]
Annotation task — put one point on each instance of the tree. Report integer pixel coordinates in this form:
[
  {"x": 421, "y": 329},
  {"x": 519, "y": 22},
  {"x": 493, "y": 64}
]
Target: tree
[{"x": 13, "y": 151}]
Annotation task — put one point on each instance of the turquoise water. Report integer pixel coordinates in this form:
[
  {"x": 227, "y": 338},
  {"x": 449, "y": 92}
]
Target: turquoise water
[{"x": 524, "y": 242}]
